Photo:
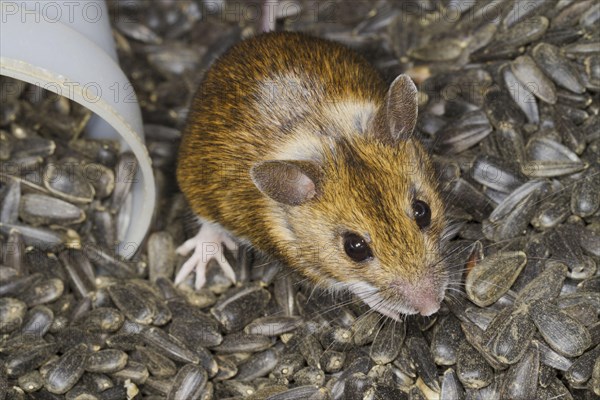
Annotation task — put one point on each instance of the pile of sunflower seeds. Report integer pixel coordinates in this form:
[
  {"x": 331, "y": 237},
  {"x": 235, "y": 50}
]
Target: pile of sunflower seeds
[{"x": 509, "y": 107}]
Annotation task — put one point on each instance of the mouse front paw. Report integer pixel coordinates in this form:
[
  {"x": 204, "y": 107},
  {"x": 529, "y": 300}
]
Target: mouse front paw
[{"x": 206, "y": 245}]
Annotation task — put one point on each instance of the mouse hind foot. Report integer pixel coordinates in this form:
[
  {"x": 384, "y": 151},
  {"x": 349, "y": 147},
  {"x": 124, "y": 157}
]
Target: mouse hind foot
[{"x": 206, "y": 245}]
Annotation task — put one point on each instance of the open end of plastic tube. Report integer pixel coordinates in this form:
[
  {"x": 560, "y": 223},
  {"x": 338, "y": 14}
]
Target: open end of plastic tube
[{"x": 62, "y": 60}]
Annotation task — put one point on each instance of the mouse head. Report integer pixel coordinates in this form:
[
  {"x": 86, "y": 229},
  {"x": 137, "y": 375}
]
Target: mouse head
[{"x": 360, "y": 210}]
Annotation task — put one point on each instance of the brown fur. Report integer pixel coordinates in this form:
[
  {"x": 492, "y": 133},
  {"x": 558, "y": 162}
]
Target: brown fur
[{"x": 368, "y": 184}]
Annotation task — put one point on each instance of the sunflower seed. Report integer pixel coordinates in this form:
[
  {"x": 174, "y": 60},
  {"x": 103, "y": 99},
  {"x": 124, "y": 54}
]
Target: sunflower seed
[
  {"x": 581, "y": 48},
  {"x": 300, "y": 392},
  {"x": 241, "y": 307},
  {"x": 470, "y": 199},
  {"x": 284, "y": 294},
  {"x": 359, "y": 365},
  {"x": 592, "y": 69},
  {"x": 125, "y": 175},
  {"x": 37, "y": 321},
  {"x": 524, "y": 32},
  {"x": 472, "y": 369},
  {"x": 585, "y": 313},
  {"x": 11, "y": 198},
  {"x": 451, "y": 387},
  {"x": 332, "y": 361},
  {"x": 520, "y": 11},
  {"x": 562, "y": 332},
  {"x": 558, "y": 68},
  {"x": 258, "y": 365},
  {"x": 169, "y": 346},
  {"x": 79, "y": 271},
  {"x": 12, "y": 312},
  {"x": 463, "y": 133},
  {"x": 521, "y": 95},
  {"x": 197, "y": 332},
  {"x": 103, "y": 319},
  {"x": 138, "y": 31},
  {"x": 103, "y": 152},
  {"x": 387, "y": 343},
  {"x": 357, "y": 386},
  {"x": 570, "y": 134},
  {"x": 226, "y": 369},
  {"x": 336, "y": 338},
  {"x": 551, "y": 358},
  {"x": 546, "y": 285},
  {"x": 66, "y": 371},
  {"x": 591, "y": 284},
  {"x": 67, "y": 182},
  {"x": 110, "y": 262},
  {"x": 443, "y": 50},
  {"x": 509, "y": 336},
  {"x": 563, "y": 241},
  {"x": 104, "y": 230},
  {"x": 581, "y": 370},
  {"x": 100, "y": 177},
  {"x": 43, "y": 292},
  {"x": 161, "y": 255},
  {"x": 273, "y": 325},
  {"x": 480, "y": 316},
  {"x": 242, "y": 342},
  {"x": 477, "y": 338},
  {"x": 133, "y": 371},
  {"x": 123, "y": 341},
  {"x": 585, "y": 199},
  {"x": 188, "y": 383},
  {"x": 511, "y": 217},
  {"x": 31, "y": 381},
  {"x": 521, "y": 380},
  {"x": 46, "y": 239},
  {"x": 32, "y": 146},
  {"x": 496, "y": 174},
  {"x": 106, "y": 361},
  {"x": 132, "y": 303},
  {"x": 556, "y": 390},
  {"x": 579, "y": 101},
  {"x": 309, "y": 376},
  {"x": 590, "y": 17},
  {"x": 493, "y": 276},
  {"x": 423, "y": 359},
  {"x": 152, "y": 295},
  {"x": 549, "y": 158},
  {"x": 309, "y": 347},
  {"x": 595, "y": 380},
  {"x": 552, "y": 212},
  {"x": 158, "y": 365},
  {"x": 529, "y": 74},
  {"x": 288, "y": 365}
]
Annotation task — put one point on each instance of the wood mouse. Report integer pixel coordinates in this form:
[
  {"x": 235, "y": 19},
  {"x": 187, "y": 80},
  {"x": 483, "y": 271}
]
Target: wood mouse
[{"x": 296, "y": 146}]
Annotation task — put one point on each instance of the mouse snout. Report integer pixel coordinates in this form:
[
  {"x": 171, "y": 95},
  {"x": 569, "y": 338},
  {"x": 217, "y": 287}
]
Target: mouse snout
[
  {"x": 427, "y": 305},
  {"x": 423, "y": 296}
]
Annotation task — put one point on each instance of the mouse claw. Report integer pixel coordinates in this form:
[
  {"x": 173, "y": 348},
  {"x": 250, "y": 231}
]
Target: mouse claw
[{"x": 206, "y": 245}]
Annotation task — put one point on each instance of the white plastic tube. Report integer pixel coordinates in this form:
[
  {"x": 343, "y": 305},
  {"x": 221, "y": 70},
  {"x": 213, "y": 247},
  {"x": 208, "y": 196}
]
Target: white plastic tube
[{"x": 67, "y": 47}]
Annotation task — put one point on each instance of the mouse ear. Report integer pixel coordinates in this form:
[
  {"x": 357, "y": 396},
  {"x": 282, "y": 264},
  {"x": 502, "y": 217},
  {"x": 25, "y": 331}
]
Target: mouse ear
[
  {"x": 289, "y": 182},
  {"x": 401, "y": 108}
]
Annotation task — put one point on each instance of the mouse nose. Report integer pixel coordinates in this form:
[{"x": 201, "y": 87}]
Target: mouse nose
[
  {"x": 427, "y": 307},
  {"x": 423, "y": 296}
]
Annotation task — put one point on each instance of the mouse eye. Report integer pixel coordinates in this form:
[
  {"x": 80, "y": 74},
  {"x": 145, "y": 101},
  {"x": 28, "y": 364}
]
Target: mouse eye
[
  {"x": 422, "y": 213},
  {"x": 356, "y": 247}
]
